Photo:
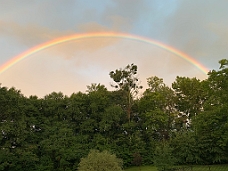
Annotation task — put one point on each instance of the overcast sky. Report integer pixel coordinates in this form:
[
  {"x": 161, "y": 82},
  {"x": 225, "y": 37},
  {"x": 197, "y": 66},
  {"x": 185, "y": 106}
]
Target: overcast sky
[{"x": 198, "y": 28}]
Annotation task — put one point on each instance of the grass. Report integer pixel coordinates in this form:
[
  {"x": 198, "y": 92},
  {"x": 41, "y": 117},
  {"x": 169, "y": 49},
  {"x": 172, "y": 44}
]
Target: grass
[
  {"x": 194, "y": 168},
  {"x": 143, "y": 168}
]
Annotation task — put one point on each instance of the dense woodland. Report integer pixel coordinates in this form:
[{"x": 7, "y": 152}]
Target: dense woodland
[{"x": 184, "y": 124}]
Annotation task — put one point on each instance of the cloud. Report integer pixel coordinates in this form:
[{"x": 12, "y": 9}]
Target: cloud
[
  {"x": 92, "y": 27},
  {"x": 199, "y": 29},
  {"x": 130, "y": 10},
  {"x": 69, "y": 50},
  {"x": 220, "y": 37},
  {"x": 70, "y": 66},
  {"x": 123, "y": 14},
  {"x": 30, "y": 34}
]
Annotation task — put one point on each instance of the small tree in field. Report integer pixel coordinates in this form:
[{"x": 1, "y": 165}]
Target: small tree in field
[
  {"x": 163, "y": 159},
  {"x": 100, "y": 161},
  {"x": 137, "y": 160}
]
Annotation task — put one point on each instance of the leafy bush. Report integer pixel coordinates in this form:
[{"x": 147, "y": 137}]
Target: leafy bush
[{"x": 100, "y": 161}]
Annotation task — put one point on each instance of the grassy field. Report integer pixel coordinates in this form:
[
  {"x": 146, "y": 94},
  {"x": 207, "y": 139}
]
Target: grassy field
[
  {"x": 143, "y": 168},
  {"x": 194, "y": 168}
]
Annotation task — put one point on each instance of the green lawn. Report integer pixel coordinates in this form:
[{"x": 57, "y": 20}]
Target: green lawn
[
  {"x": 194, "y": 168},
  {"x": 143, "y": 168}
]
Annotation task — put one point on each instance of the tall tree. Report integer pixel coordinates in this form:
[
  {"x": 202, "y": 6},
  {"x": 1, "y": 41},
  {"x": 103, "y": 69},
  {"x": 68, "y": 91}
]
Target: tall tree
[
  {"x": 157, "y": 108},
  {"x": 127, "y": 81},
  {"x": 190, "y": 97},
  {"x": 212, "y": 123}
]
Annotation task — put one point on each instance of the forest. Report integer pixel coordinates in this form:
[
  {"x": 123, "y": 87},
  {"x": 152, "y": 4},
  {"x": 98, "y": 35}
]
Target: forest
[{"x": 184, "y": 124}]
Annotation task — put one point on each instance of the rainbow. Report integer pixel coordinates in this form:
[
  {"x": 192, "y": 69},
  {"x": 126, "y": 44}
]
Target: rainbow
[{"x": 68, "y": 38}]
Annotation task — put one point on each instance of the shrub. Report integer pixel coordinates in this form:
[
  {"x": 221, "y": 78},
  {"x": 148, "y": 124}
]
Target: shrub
[{"x": 100, "y": 161}]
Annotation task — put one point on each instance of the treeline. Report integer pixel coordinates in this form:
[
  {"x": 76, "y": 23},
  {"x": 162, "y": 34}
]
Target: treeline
[{"x": 183, "y": 124}]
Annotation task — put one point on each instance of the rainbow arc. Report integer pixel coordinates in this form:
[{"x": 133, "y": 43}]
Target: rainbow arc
[{"x": 64, "y": 39}]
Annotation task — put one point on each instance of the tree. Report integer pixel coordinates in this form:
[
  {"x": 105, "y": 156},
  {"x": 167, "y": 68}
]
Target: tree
[
  {"x": 100, "y": 161},
  {"x": 157, "y": 108},
  {"x": 127, "y": 81},
  {"x": 212, "y": 122},
  {"x": 163, "y": 158},
  {"x": 190, "y": 97},
  {"x": 137, "y": 160},
  {"x": 185, "y": 147},
  {"x": 223, "y": 63},
  {"x": 16, "y": 148}
]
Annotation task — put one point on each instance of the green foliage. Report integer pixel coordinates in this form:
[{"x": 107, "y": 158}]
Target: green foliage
[
  {"x": 223, "y": 63},
  {"x": 127, "y": 82},
  {"x": 126, "y": 78},
  {"x": 212, "y": 135},
  {"x": 157, "y": 109},
  {"x": 184, "y": 147},
  {"x": 187, "y": 123},
  {"x": 190, "y": 96},
  {"x": 100, "y": 161},
  {"x": 137, "y": 159},
  {"x": 163, "y": 158},
  {"x": 185, "y": 168},
  {"x": 211, "y": 124}
]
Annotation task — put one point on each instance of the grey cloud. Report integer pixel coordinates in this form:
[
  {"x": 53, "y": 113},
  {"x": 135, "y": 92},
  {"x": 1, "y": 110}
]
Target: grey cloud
[
  {"x": 195, "y": 28},
  {"x": 29, "y": 34},
  {"x": 124, "y": 13}
]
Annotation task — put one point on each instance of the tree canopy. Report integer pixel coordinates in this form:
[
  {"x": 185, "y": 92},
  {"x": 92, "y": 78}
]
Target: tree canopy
[{"x": 187, "y": 122}]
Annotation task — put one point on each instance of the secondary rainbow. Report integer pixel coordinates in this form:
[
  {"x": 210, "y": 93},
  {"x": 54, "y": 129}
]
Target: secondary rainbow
[{"x": 68, "y": 38}]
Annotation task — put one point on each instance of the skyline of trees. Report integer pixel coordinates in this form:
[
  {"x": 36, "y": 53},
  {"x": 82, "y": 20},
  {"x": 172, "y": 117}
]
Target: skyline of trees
[{"x": 188, "y": 121}]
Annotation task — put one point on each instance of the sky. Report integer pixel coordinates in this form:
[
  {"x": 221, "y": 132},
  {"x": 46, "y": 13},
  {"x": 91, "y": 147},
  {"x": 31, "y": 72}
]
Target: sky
[{"x": 196, "y": 28}]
